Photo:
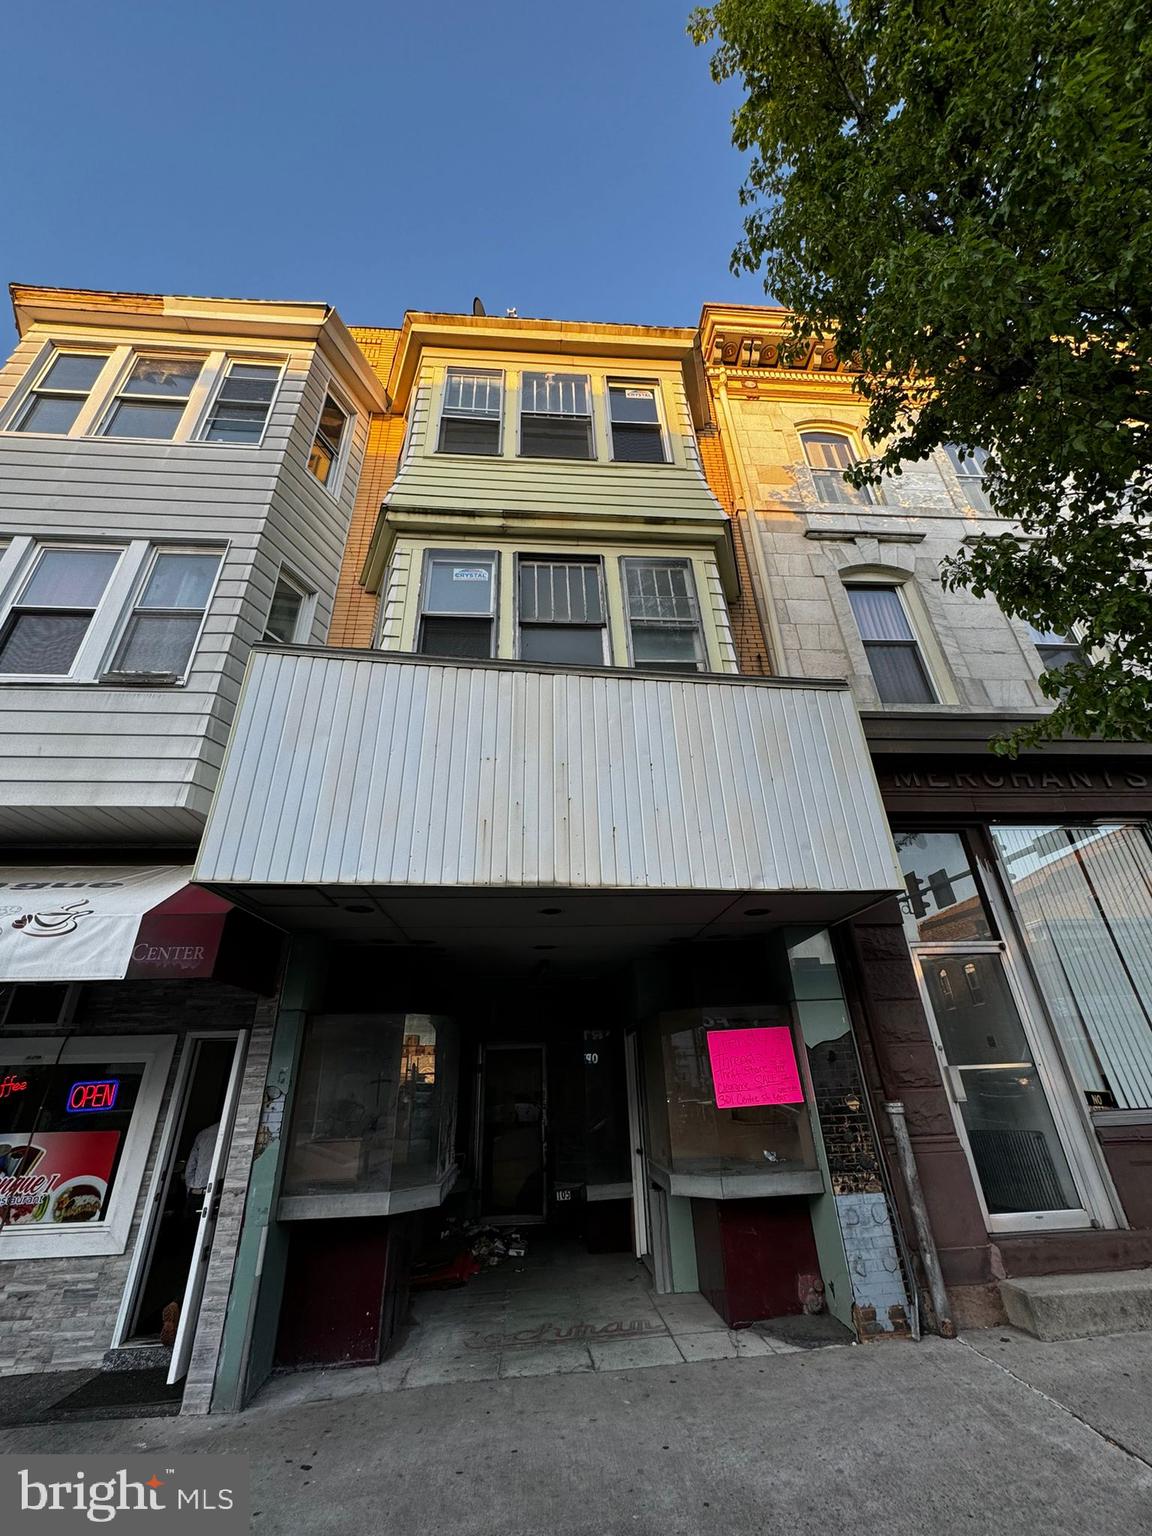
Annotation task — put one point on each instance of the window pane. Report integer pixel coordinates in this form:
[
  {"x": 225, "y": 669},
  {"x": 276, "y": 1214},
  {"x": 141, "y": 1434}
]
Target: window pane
[
  {"x": 457, "y": 584},
  {"x": 332, "y": 423},
  {"x": 879, "y": 613},
  {"x": 50, "y": 413},
  {"x": 456, "y": 637},
  {"x": 637, "y": 445},
  {"x": 474, "y": 392},
  {"x": 1085, "y": 897},
  {"x": 634, "y": 402},
  {"x": 250, "y": 382},
  {"x": 70, "y": 578},
  {"x": 943, "y": 896},
  {"x": 43, "y": 643},
  {"x": 659, "y": 589},
  {"x": 74, "y": 371},
  {"x": 320, "y": 461},
  {"x": 828, "y": 450},
  {"x": 138, "y": 419},
  {"x": 555, "y": 591},
  {"x": 556, "y": 437},
  {"x": 284, "y": 614},
  {"x": 665, "y": 646},
  {"x": 576, "y": 644},
  {"x": 899, "y": 674},
  {"x": 467, "y": 434},
  {"x": 236, "y": 423},
  {"x": 157, "y": 643},
  {"x": 555, "y": 394},
  {"x": 172, "y": 376},
  {"x": 180, "y": 581}
]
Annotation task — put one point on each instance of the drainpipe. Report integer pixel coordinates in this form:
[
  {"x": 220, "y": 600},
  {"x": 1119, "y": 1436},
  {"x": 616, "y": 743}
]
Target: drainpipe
[{"x": 928, "y": 1255}]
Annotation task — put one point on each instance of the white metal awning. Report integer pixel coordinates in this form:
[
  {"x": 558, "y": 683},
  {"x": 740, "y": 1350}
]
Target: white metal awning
[{"x": 77, "y": 924}]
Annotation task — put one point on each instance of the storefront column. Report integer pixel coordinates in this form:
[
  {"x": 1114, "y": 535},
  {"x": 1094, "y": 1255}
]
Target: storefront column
[{"x": 246, "y": 1351}]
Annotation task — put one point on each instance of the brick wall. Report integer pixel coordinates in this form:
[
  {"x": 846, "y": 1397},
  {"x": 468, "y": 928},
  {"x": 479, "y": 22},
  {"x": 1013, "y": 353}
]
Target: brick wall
[
  {"x": 58, "y": 1314},
  {"x": 747, "y": 633},
  {"x": 354, "y": 611}
]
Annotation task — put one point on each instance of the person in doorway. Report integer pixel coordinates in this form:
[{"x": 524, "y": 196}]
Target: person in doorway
[{"x": 199, "y": 1163}]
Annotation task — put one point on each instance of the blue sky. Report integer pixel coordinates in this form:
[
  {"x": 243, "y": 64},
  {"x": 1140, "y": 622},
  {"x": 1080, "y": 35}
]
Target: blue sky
[{"x": 571, "y": 160}]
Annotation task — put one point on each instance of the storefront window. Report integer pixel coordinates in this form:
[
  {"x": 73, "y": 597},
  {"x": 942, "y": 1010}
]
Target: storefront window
[
  {"x": 1084, "y": 895},
  {"x": 943, "y": 898},
  {"x": 63, "y": 1128},
  {"x": 768, "y": 1132},
  {"x": 375, "y": 1106}
]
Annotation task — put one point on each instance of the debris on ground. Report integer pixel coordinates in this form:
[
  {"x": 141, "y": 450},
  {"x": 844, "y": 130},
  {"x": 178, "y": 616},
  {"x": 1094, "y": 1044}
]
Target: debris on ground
[{"x": 461, "y": 1251}]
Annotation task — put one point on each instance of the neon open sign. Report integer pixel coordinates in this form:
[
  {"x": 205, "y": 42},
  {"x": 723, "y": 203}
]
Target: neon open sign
[{"x": 84, "y": 1098}]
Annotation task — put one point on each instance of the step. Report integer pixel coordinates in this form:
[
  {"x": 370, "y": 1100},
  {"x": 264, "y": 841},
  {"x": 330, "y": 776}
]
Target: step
[
  {"x": 137, "y": 1357},
  {"x": 1079, "y": 1306}
]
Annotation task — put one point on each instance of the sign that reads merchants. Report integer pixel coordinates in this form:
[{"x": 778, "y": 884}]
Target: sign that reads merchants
[{"x": 754, "y": 1066}]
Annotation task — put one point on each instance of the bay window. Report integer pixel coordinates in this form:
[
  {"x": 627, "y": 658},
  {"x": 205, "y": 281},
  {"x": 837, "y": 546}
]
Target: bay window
[
  {"x": 153, "y": 398},
  {"x": 166, "y": 620},
  {"x": 331, "y": 429},
  {"x": 471, "y": 415},
  {"x": 60, "y": 392},
  {"x": 239, "y": 413}
]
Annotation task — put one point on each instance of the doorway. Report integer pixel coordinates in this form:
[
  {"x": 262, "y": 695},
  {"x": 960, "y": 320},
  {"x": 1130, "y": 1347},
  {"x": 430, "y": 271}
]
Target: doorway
[
  {"x": 513, "y": 1134},
  {"x": 162, "y": 1298}
]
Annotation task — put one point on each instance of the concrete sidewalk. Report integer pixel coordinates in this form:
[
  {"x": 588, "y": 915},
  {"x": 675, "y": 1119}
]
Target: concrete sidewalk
[{"x": 992, "y": 1434}]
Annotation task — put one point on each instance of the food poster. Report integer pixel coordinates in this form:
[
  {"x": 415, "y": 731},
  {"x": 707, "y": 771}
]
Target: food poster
[{"x": 55, "y": 1178}]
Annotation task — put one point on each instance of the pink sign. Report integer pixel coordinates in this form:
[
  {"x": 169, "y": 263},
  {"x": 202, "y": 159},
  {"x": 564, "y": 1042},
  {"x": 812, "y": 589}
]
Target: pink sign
[{"x": 754, "y": 1066}]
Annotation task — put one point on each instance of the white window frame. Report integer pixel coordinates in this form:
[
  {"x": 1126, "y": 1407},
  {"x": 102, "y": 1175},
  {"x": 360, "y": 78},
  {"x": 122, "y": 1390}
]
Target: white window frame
[
  {"x": 431, "y": 555},
  {"x": 129, "y": 610},
  {"x": 23, "y": 396},
  {"x": 866, "y": 496},
  {"x": 220, "y": 378},
  {"x": 304, "y": 617},
  {"x": 110, "y": 1234},
  {"x": 210, "y": 365},
  {"x": 114, "y": 610},
  {"x": 614, "y": 381},
  {"x": 897, "y": 583},
  {"x": 335, "y": 482},
  {"x": 970, "y": 481}
]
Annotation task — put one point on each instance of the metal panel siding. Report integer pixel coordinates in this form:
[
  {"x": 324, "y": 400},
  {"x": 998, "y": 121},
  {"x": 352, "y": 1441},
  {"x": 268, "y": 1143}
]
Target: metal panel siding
[{"x": 391, "y": 771}]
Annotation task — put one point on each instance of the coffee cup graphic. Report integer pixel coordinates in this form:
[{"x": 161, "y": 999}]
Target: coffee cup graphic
[{"x": 53, "y": 923}]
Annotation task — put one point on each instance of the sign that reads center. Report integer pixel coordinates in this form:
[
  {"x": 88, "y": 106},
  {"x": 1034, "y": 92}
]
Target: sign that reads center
[{"x": 754, "y": 1066}]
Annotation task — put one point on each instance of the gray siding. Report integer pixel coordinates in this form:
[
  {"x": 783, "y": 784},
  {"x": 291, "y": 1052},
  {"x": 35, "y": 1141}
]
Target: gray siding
[
  {"x": 109, "y": 751},
  {"x": 371, "y": 770}
]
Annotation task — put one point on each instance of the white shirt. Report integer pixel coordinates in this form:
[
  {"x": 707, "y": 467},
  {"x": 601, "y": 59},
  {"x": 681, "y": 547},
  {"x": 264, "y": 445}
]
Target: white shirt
[{"x": 199, "y": 1163}]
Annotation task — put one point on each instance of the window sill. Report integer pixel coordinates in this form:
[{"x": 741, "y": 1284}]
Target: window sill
[
  {"x": 99, "y": 437},
  {"x": 107, "y": 680}
]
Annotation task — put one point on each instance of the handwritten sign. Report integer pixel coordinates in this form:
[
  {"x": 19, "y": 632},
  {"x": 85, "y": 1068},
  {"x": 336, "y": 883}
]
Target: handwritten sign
[{"x": 754, "y": 1066}]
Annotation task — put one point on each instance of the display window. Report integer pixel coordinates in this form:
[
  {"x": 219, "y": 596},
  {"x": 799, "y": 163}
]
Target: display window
[{"x": 76, "y": 1121}]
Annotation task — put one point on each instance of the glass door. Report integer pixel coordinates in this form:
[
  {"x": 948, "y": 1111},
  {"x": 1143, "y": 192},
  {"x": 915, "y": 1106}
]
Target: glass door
[
  {"x": 512, "y": 1131},
  {"x": 1022, "y": 1145}
]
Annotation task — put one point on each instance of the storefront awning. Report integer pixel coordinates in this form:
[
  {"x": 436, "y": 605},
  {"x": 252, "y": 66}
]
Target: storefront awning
[{"x": 107, "y": 922}]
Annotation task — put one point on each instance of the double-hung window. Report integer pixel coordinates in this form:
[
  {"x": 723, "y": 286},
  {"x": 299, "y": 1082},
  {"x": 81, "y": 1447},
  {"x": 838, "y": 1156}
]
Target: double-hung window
[
  {"x": 637, "y": 435},
  {"x": 1057, "y": 648},
  {"x": 52, "y": 613},
  {"x": 458, "y": 609},
  {"x": 561, "y": 610},
  {"x": 324, "y": 458},
  {"x": 969, "y": 464},
  {"x": 60, "y": 392},
  {"x": 663, "y": 614},
  {"x": 153, "y": 398},
  {"x": 166, "y": 619},
  {"x": 890, "y": 644},
  {"x": 240, "y": 410},
  {"x": 556, "y": 416},
  {"x": 471, "y": 413},
  {"x": 829, "y": 454}
]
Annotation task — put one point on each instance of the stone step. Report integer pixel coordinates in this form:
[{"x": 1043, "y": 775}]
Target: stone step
[
  {"x": 137, "y": 1357},
  {"x": 1079, "y": 1306}
]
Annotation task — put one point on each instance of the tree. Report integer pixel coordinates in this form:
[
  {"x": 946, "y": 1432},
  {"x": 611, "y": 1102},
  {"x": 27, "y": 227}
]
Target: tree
[{"x": 960, "y": 191}]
